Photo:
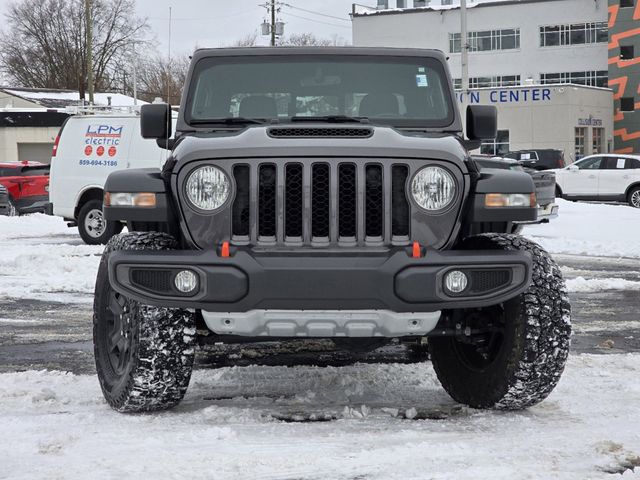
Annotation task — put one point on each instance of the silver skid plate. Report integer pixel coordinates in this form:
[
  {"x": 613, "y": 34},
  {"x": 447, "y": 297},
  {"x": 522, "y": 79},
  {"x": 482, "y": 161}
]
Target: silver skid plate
[{"x": 321, "y": 323}]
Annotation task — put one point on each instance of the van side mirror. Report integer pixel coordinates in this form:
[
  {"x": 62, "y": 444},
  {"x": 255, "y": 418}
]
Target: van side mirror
[
  {"x": 482, "y": 122},
  {"x": 155, "y": 121}
]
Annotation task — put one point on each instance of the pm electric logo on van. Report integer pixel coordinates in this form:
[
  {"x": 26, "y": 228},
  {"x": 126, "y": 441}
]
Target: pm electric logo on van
[{"x": 103, "y": 141}]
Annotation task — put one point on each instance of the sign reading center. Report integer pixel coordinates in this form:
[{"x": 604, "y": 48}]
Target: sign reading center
[{"x": 519, "y": 95}]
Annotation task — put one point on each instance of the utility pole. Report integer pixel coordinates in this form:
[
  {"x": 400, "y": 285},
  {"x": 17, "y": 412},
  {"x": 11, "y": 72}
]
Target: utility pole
[
  {"x": 135, "y": 76},
  {"x": 273, "y": 23},
  {"x": 271, "y": 26},
  {"x": 89, "y": 20},
  {"x": 464, "y": 48}
]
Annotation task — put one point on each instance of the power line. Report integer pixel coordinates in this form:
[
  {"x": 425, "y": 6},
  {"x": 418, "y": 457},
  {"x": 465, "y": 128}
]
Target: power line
[
  {"x": 316, "y": 13},
  {"x": 316, "y": 21}
]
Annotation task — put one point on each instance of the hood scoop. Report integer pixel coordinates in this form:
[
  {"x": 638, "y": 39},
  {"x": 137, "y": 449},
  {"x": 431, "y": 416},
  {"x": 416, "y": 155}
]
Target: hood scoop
[{"x": 320, "y": 132}]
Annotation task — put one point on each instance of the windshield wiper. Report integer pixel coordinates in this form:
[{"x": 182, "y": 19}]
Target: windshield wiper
[
  {"x": 331, "y": 119},
  {"x": 228, "y": 121}
]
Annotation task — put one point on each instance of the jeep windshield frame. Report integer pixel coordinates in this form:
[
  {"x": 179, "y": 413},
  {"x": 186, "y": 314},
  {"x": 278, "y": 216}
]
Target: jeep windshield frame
[{"x": 401, "y": 88}]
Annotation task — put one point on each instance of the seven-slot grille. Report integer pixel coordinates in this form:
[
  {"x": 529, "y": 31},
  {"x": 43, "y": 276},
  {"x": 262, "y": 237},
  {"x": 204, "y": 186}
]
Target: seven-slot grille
[{"x": 321, "y": 203}]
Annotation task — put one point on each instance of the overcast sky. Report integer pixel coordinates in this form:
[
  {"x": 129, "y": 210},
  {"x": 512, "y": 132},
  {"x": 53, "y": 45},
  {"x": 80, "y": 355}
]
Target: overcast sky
[{"x": 214, "y": 23}]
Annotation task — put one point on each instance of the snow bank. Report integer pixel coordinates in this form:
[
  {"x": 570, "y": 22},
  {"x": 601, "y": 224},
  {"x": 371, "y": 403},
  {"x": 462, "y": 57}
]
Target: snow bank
[
  {"x": 41, "y": 258},
  {"x": 580, "y": 284},
  {"x": 56, "y": 425},
  {"x": 590, "y": 229}
]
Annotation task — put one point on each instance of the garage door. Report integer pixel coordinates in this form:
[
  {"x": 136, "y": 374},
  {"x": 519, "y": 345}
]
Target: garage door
[{"x": 35, "y": 152}]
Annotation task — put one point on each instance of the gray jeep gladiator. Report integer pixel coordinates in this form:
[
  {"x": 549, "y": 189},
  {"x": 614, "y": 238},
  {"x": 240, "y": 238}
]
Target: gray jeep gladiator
[{"x": 325, "y": 193}]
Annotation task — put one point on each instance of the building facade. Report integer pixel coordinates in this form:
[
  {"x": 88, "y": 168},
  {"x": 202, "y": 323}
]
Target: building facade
[
  {"x": 511, "y": 42},
  {"x": 624, "y": 72},
  {"x": 573, "y": 118},
  {"x": 523, "y": 43}
]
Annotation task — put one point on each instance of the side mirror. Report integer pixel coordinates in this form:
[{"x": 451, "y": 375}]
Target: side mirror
[
  {"x": 155, "y": 121},
  {"x": 482, "y": 122},
  {"x": 573, "y": 168}
]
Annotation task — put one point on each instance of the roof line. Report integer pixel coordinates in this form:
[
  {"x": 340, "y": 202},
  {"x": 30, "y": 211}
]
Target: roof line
[{"x": 441, "y": 9}]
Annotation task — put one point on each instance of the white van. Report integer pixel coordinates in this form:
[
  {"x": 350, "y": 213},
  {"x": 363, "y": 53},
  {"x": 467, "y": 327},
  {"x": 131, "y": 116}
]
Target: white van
[{"x": 88, "y": 148}]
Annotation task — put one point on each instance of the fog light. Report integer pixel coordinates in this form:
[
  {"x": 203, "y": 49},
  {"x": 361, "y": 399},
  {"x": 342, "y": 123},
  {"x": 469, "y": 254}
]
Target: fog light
[
  {"x": 456, "y": 281},
  {"x": 186, "y": 281}
]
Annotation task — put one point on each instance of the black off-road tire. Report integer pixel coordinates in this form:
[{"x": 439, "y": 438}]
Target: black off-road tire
[
  {"x": 93, "y": 235},
  {"x": 149, "y": 367},
  {"x": 531, "y": 349}
]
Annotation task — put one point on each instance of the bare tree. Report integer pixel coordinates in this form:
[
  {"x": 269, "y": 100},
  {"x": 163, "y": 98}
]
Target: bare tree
[
  {"x": 249, "y": 40},
  {"x": 159, "y": 77},
  {"x": 305, "y": 40},
  {"x": 45, "y": 43}
]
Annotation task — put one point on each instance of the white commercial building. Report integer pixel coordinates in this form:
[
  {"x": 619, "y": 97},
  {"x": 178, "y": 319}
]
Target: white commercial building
[
  {"x": 542, "y": 63},
  {"x": 573, "y": 118},
  {"x": 511, "y": 42}
]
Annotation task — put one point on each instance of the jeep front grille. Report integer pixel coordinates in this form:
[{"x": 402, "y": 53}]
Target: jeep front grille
[{"x": 321, "y": 203}]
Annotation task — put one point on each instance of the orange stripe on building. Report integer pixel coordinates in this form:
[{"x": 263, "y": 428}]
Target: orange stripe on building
[
  {"x": 622, "y": 86},
  {"x": 626, "y": 136},
  {"x": 623, "y": 63},
  {"x": 624, "y": 150},
  {"x": 615, "y": 38},
  {"x": 613, "y": 14},
  {"x": 636, "y": 13}
]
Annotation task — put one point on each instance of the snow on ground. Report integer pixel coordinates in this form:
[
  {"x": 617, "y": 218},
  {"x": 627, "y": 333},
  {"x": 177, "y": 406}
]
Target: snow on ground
[
  {"x": 590, "y": 229},
  {"x": 41, "y": 258},
  {"x": 56, "y": 425},
  {"x": 580, "y": 284}
]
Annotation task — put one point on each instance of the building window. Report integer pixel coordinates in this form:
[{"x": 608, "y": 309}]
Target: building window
[
  {"x": 497, "y": 147},
  {"x": 597, "y": 140},
  {"x": 487, "y": 40},
  {"x": 626, "y": 3},
  {"x": 574, "y": 34},
  {"x": 627, "y": 52},
  {"x": 592, "y": 78},
  {"x": 627, "y": 104},
  {"x": 489, "y": 82},
  {"x": 580, "y": 142}
]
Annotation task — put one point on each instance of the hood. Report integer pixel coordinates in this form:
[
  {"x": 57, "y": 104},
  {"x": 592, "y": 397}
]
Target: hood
[{"x": 320, "y": 140}]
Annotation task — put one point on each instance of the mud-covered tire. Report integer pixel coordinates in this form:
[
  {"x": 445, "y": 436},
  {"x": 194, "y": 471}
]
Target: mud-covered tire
[
  {"x": 531, "y": 348},
  {"x": 92, "y": 226},
  {"x": 144, "y": 355}
]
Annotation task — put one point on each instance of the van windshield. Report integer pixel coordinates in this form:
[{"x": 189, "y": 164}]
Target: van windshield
[{"x": 398, "y": 91}]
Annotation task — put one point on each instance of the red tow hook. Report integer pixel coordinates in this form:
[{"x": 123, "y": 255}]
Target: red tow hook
[
  {"x": 417, "y": 250},
  {"x": 225, "y": 250}
]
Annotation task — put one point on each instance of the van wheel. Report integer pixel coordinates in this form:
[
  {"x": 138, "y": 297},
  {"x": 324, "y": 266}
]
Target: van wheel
[{"x": 92, "y": 226}]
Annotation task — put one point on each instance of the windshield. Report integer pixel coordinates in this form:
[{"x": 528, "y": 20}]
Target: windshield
[{"x": 399, "y": 91}]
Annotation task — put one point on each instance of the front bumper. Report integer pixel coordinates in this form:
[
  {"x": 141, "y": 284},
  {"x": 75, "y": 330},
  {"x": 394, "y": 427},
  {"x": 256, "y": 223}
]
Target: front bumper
[{"x": 314, "y": 279}]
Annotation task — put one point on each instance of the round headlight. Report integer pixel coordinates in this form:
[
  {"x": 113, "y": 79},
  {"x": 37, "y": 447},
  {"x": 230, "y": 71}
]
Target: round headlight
[
  {"x": 433, "y": 188},
  {"x": 207, "y": 188}
]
